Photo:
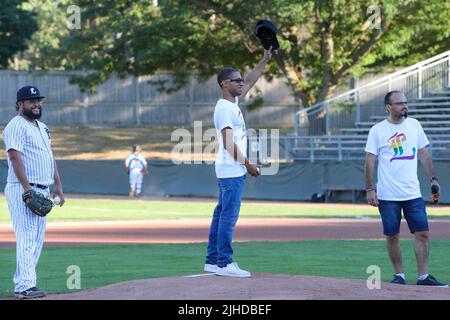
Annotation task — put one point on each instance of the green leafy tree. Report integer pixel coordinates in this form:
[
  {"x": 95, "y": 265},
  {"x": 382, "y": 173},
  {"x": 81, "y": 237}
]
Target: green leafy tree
[
  {"x": 322, "y": 42},
  {"x": 16, "y": 26},
  {"x": 40, "y": 54}
]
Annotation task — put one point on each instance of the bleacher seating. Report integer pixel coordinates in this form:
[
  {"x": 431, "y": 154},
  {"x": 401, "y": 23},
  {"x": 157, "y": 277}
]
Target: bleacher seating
[{"x": 432, "y": 111}]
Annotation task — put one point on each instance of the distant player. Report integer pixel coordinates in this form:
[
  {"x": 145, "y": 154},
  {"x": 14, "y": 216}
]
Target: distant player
[
  {"x": 136, "y": 166},
  {"x": 30, "y": 166}
]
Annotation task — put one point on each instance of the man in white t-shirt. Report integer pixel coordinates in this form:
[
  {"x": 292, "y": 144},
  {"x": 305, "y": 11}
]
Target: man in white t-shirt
[
  {"x": 231, "y": 167},
  {"x": 397, "y": 142}
]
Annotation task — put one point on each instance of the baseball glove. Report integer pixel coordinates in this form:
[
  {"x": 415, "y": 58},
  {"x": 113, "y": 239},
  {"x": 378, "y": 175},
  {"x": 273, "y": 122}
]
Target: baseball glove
[{"x": 37, "y": 202}]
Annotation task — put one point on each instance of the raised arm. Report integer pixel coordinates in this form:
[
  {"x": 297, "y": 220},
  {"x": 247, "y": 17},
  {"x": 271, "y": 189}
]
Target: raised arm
[{"x": 254, "y": 75}]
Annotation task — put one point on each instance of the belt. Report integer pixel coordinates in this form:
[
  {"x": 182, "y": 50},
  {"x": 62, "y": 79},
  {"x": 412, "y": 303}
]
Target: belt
[{"x": 40, "y": 186}]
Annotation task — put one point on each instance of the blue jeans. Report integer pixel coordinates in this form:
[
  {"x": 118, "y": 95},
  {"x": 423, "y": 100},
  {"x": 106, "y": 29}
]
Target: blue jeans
[
  {"x": 224, "y": 220},
  {"x": 413, "y": 211}
]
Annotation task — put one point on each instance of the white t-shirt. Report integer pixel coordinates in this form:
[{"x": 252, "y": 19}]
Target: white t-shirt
[
  {"x": 397, "y": 146},
  {"x": 228, "y": 114}
]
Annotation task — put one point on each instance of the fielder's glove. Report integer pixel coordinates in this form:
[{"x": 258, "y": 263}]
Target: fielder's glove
[{"x": 37, "y": 202}]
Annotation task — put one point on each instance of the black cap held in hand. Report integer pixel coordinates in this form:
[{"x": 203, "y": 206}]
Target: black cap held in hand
[{"x": 267, "y": 32}]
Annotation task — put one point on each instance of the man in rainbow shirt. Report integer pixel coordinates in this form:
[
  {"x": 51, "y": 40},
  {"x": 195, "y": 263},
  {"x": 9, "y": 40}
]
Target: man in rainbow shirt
[{"x": 397, "y": 142}]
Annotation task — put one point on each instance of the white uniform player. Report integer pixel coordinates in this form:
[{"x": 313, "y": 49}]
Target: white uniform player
[
  {"x": 136, "y": 166},
  {"x": 30, "y": 166}
]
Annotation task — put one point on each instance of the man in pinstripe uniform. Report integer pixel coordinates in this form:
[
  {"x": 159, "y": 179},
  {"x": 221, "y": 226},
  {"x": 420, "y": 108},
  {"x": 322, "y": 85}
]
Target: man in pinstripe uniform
[{"x": 30, "y": 166}]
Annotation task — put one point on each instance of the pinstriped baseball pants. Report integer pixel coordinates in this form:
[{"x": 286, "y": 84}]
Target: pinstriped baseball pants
[{"x": 29, "y": 230}]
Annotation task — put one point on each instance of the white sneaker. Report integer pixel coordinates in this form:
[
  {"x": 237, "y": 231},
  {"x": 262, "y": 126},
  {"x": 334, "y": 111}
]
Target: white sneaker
[
  {"x": 232, "y": 270},
  {"x": 210, "y": 268}
]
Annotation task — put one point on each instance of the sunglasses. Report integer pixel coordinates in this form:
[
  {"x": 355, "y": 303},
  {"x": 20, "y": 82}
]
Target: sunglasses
[
  {"x": 239, "y": 80},
  {"x": 399, "y": 103}
]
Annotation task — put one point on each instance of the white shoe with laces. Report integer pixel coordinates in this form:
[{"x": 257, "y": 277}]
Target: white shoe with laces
[
  {"x": 232, "y": 270},
  {"x": 210, "y": 268}
]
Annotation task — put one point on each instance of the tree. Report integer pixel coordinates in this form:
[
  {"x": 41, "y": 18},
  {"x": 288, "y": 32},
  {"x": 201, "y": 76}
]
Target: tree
[
  {"x": 322, "y": 42},
  {"x": 16, "y": 26},
  {"x": 51, "y": 19}
]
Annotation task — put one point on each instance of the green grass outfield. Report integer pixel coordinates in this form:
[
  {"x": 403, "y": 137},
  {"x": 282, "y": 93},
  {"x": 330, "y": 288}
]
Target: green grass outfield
[
  {"x": 102, "y": 265},
  {"x": 77, "y": 209}
]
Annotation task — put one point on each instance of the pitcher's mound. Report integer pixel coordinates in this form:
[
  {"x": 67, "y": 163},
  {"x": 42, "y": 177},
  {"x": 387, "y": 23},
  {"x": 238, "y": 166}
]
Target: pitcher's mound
[{"x": 261, "y": 286}]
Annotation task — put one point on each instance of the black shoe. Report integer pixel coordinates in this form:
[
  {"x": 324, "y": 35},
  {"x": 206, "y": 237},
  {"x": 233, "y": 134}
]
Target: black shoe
[
  {"x": 398, "y": 280},
  {"x": 31, "y": 293},
  {"x": 431, "y": 281}
]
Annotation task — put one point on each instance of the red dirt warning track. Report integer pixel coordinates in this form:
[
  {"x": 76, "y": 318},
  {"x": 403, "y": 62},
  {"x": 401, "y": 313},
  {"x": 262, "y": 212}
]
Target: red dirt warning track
[{"x": 184, "y": 231}]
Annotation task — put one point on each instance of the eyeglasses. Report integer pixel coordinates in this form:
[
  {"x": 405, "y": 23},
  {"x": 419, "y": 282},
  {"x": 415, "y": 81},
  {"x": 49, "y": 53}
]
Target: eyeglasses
[
  {"x": 399, "y": 103},
  {"x": 239, "y": 80}
]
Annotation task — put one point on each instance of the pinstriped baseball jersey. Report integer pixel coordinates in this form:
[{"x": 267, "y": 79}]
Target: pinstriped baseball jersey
[{"x": 35, "y": 145}]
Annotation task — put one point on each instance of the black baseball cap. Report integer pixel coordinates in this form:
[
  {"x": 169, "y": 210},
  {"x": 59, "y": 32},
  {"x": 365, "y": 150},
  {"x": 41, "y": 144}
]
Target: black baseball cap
[
  {"x": 267, "y": 32},
  {"x": 28, "y": 93}
]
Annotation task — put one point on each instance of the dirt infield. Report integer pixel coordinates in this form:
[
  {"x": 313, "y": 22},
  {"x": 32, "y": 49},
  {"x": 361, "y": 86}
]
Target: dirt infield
[{"x": 261, "y": 286}]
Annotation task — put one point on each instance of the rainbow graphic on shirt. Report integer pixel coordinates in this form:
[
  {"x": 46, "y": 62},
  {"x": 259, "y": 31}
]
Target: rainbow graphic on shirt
[{"x": 396, "y": 144}]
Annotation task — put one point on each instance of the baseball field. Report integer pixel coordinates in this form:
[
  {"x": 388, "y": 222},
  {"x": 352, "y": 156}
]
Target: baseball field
[{"x": 294, "y": 250}]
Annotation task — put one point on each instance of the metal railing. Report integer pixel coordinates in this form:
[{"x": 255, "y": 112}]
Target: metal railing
[
  {"x": 343, "y": 111},
  {"x": 345, "y": 147}
]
